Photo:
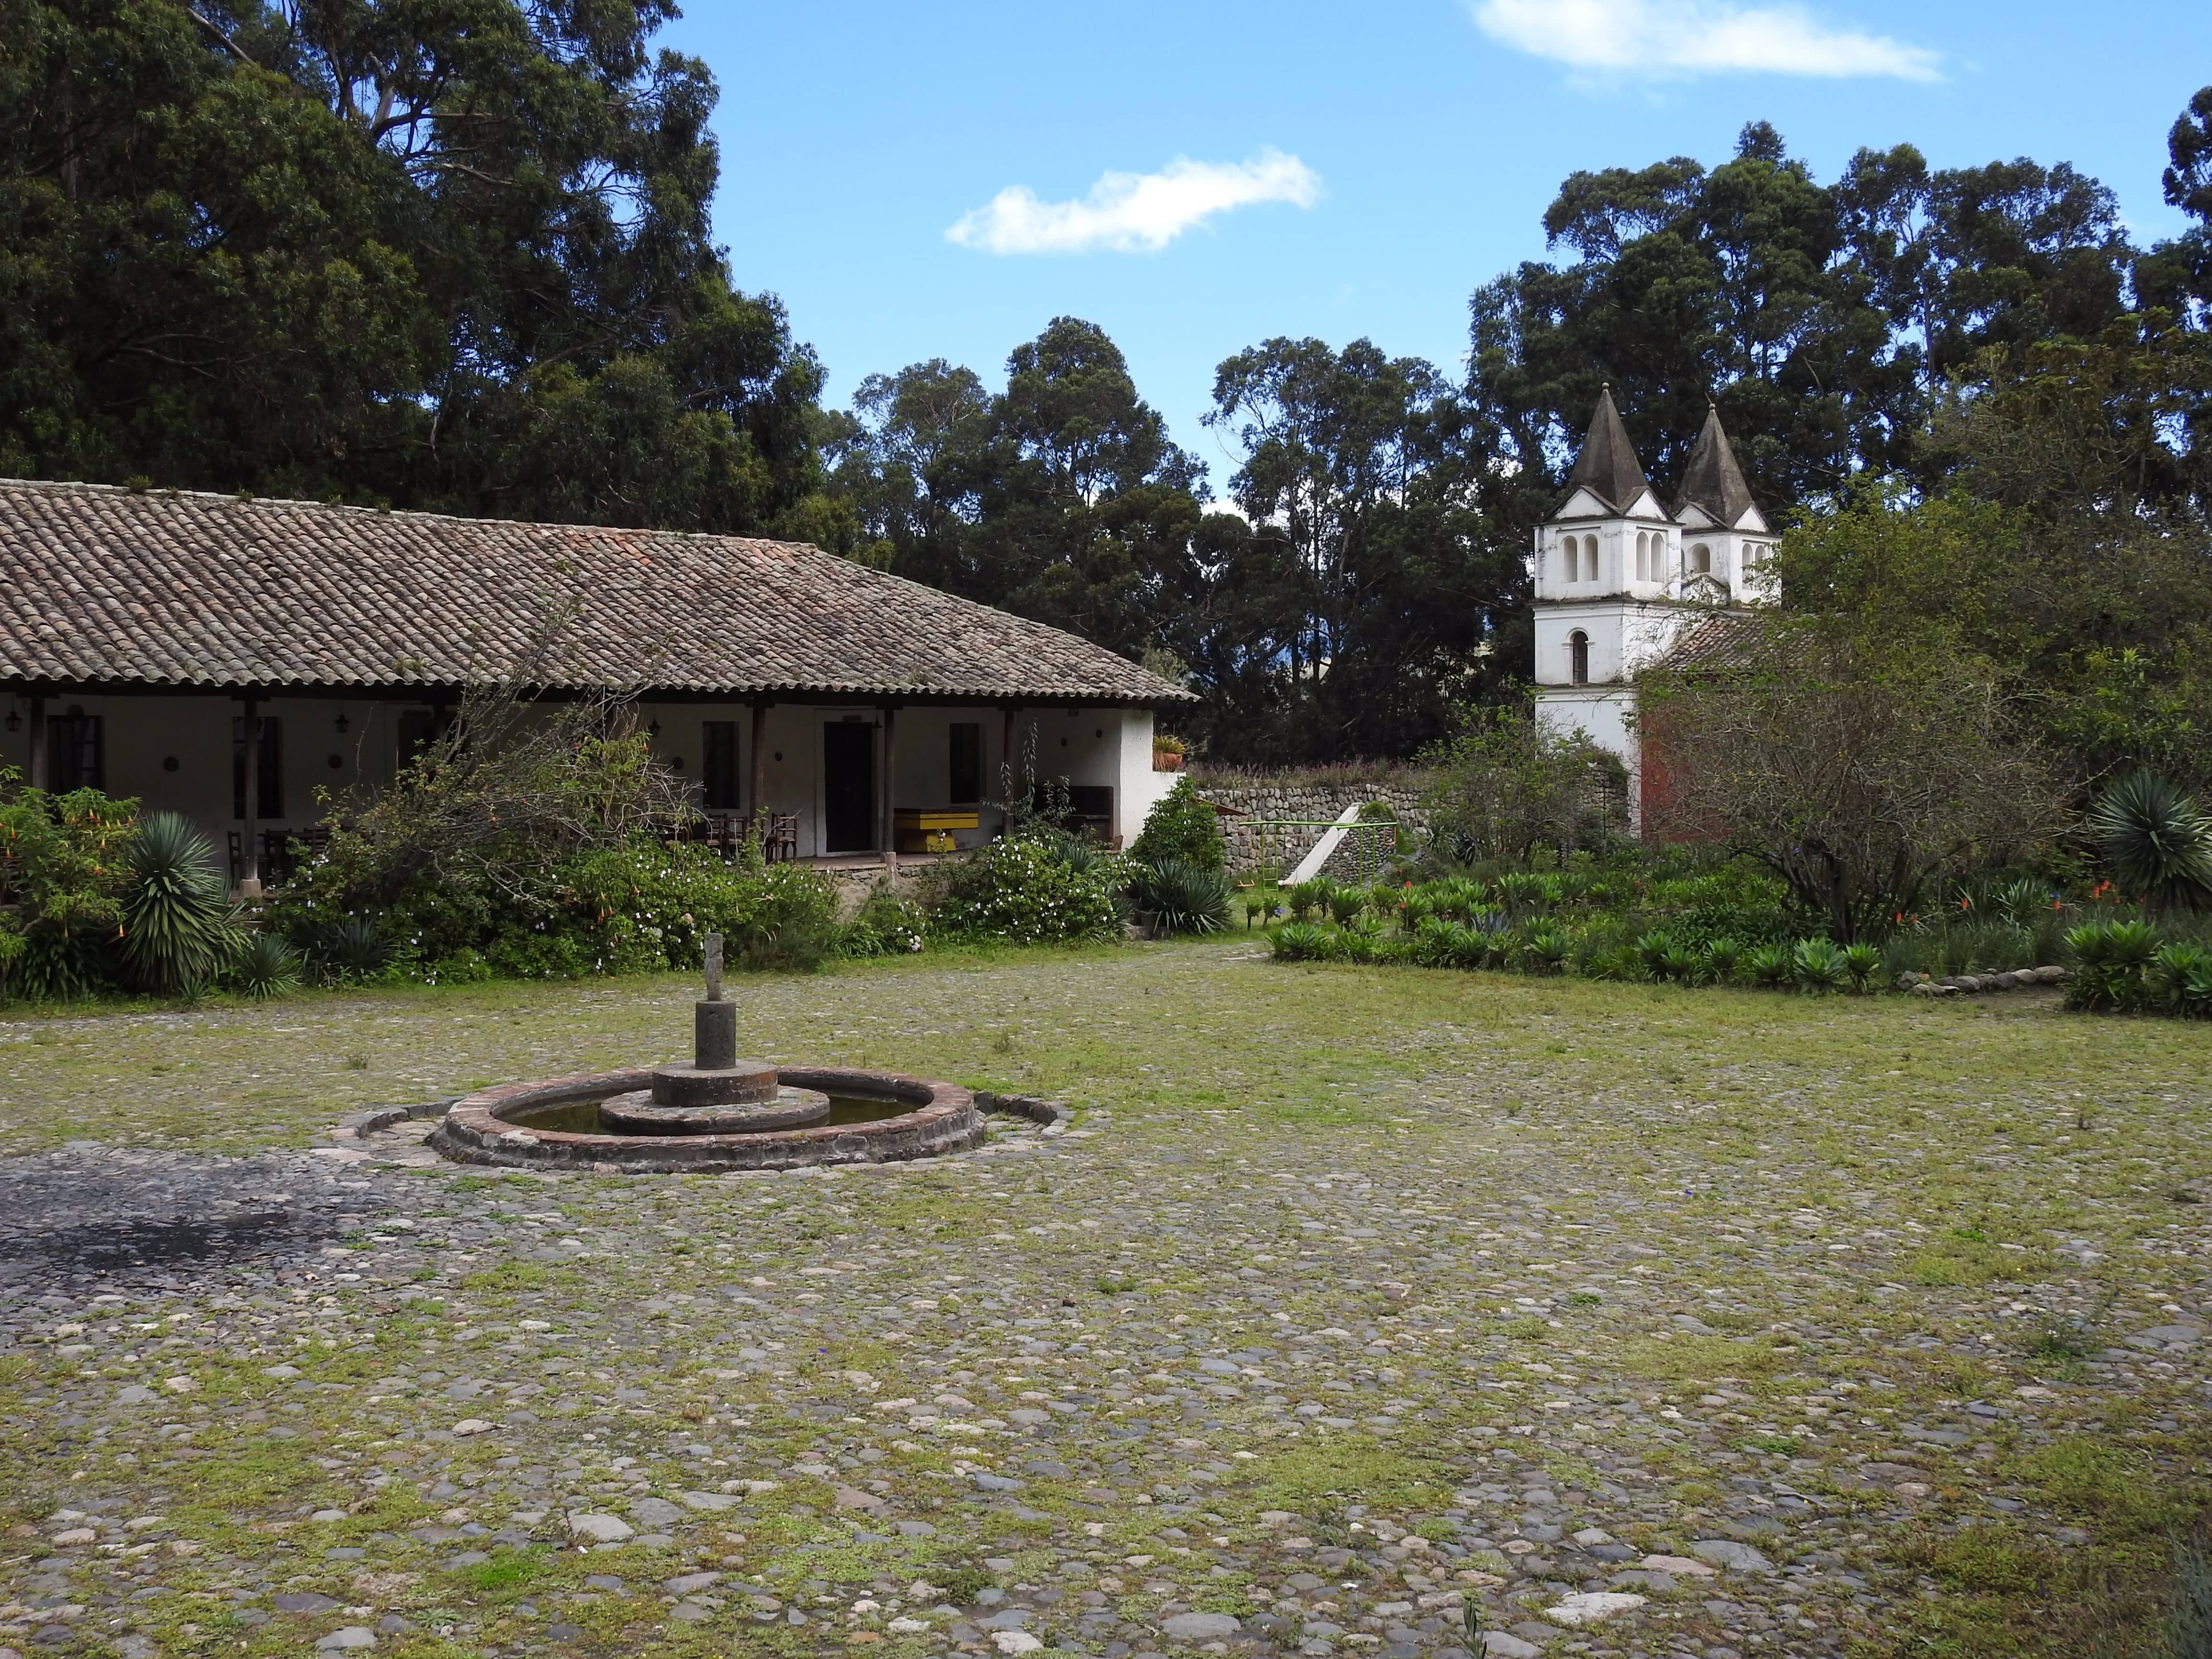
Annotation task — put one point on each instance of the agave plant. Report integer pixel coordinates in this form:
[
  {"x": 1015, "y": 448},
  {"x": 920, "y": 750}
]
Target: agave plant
[
  {"x": 1771, "y": 964},
  {"x": 2111, "y": 957},
  {"x": 1344, "y": 904},
  {"x": 2155, "y": 840},
  {"x": 1722, "y": 958},
  {"x": 267, "y": 967},
  {"x": 1651, "y": 951},
  {"x": 2022, "y": 902},
  {"x": 1182, "y": 897},
  {"x": 1546, "y": 948},
  {"x": 178, "y": 929},
  {"x": 1297, "y": 941},
  {"x": 1820, "y": 965},
  {"x": 1681, "y": 963},
  {"x": 2179, "y": 978},
  {"x": 1862, "y": 961},
  {"x": 354, "y": 948},
  {"x": 1520, "y": 891},
  {"x": 1257, "y": 903}
]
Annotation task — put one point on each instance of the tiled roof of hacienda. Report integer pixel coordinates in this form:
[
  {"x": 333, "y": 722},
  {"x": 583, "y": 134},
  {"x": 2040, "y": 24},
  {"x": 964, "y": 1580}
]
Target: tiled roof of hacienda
[{"x": 101, "y": 584}]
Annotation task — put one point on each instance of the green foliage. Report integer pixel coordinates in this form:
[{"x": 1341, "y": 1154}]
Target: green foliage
[
  {"x": 1819, "y": 966},
  {"x": 885, "y": 925},
  {"x": 178, "y": 931},
  {"x": 2156, "y": 842},
  {"x": 1178, "y": 896},
  {"x": 381, "y": 253},
  {"x": 1653, "y": 950},
  {"x": 64, "y": 860},
  {"x": 2111, "y": 958},
  {"x": 1820, "y": 754},
  {"x": 351, "y": 949},
  {"x": 1181, "y": 826},
  {"x": 1022, "y": 889},
  {"x": 1771, "y": 965},
  {"x": 1862, "y": 961},
  {"x": 267, "y": 967},
  {"x": 1547, "y": 949},
  {"x": 1508, "y": 784},
  {"x": 1297, "y": 941},
  {"x": 2178, "y": 979},
  {"x": 638, "y": 906},
  {"x": 1344, "y": 904},
  {"x": 1307, "y": 897}
]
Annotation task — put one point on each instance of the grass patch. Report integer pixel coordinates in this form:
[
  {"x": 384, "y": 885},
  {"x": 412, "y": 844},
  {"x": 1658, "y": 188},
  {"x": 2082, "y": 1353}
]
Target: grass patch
[
  {"x": 508, "y": 1572},
  {"x": 1305, "y": 1478},
  {"x": 517, "y": 1276},
  {"x": 1678, "y": 1359}
]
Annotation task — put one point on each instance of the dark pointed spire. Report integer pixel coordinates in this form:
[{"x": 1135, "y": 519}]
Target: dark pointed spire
[
  {"x": 1713, "y": 480},
  {"x": 1608, "y": 466}
]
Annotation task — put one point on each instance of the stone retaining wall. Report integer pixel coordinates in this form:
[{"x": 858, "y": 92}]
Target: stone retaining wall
[{"x": 1249, "y": 849}]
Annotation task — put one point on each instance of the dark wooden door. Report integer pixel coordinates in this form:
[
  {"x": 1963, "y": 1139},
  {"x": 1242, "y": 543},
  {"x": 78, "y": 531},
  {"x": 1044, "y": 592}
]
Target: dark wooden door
[{"x": 849, "y": 787}]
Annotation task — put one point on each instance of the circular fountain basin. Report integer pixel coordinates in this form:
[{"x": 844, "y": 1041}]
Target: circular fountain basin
[
  {"x": 872, "y": 1117},
  {"x": 642, "y": 1113}
]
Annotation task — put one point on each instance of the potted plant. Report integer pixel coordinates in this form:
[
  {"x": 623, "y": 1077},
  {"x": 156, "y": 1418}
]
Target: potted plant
[{"x": 1167, "y": 753}]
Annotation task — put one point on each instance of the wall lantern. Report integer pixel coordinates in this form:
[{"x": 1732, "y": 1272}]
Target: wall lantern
[
  {"x": 341, "y": 723},
  {"x": 653, "y": 730},
  {"x": 15, "y": 720}
]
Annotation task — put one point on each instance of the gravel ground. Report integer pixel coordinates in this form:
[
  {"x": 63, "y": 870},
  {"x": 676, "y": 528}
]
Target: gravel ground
[{"x": 1537, "y": 1318}]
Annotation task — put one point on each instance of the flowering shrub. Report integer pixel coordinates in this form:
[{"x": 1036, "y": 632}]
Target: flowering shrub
[
  {"x": 1025, "y": 888},
  {"x": 886, "y": 925},
  {"x": 636, "y": 906}
]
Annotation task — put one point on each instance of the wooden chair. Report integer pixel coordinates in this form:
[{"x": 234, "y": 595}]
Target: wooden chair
[{"x": 781, "y": 844}]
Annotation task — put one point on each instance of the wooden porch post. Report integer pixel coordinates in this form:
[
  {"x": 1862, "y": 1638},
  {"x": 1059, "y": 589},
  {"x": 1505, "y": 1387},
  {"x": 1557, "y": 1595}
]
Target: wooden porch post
[
  {"x": 249, "y": 862},
  {"x": 890, "y": 830},
  {"x": 38, "y": 741},
  {"x": 1006, "y": 765},
  {"x": 759, "y": 780}
]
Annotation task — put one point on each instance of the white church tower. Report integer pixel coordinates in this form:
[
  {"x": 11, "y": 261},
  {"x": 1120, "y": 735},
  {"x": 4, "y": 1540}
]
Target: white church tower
[{"x": 1620, "y": 577}]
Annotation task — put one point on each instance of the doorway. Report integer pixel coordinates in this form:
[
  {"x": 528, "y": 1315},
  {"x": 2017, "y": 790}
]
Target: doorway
[{"x": 849, "y": 787}]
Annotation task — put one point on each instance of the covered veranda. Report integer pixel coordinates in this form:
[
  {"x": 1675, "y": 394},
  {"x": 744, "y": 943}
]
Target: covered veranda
[{"x": 238, "y": 661}]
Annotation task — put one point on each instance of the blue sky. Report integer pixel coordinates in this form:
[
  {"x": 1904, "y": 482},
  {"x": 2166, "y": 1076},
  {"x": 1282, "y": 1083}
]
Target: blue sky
[{"x": 938, "y": 180}]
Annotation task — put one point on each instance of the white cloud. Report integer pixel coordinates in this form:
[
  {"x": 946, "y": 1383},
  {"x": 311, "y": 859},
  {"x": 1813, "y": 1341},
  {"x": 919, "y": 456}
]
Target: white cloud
[
  {"x": 1125, "y": 211},
  {"x": 1696, "y": 37}
]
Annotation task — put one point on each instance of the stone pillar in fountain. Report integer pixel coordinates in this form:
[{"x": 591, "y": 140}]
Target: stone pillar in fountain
[
  {"x": 713, "y": 1022},
  {"x": 717, "y": 1093}
]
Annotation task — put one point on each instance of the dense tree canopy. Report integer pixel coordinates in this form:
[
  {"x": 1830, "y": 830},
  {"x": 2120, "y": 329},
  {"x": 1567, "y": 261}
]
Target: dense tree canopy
[
  {"x": 452, "y": 255},
  {"x": 456, "y": 254},
  {"x": 1825, "y": 320}
]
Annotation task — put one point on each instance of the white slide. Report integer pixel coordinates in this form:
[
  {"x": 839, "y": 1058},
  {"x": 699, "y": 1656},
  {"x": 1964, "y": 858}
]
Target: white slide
[{"x": 1325, "y": 849}]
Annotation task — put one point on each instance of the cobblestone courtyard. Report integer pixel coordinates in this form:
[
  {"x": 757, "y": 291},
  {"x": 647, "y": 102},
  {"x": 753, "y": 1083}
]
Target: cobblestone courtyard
[{"x": 1359, "y": 1312}]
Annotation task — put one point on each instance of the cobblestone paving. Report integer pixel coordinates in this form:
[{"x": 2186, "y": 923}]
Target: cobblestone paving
[{"x": 1700, "y": 1357}]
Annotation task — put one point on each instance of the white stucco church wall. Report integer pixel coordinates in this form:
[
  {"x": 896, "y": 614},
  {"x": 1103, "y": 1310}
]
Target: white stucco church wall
[{"x": 1620, "y": 577}]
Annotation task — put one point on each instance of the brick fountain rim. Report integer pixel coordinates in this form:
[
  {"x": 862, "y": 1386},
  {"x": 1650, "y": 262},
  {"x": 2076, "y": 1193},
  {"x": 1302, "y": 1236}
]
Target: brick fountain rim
[{"x": 476, "y": 1130}]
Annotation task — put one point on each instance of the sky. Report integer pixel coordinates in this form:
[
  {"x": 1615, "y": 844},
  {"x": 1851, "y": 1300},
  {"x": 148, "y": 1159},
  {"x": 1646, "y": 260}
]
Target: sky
[{"x": 941, "y": 181}]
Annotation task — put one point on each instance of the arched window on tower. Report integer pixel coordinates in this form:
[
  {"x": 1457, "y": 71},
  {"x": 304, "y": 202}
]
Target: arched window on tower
[
  {"x": 1701, "y": 560},
  {"x": 1578, "y": 658},
  {"x": 1642, "y": 556},
  {"x": 1567, "y": 547}
]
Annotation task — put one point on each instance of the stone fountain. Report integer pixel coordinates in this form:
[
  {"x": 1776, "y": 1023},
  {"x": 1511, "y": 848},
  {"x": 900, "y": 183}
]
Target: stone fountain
[{"x": 718, "y": 1112}]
